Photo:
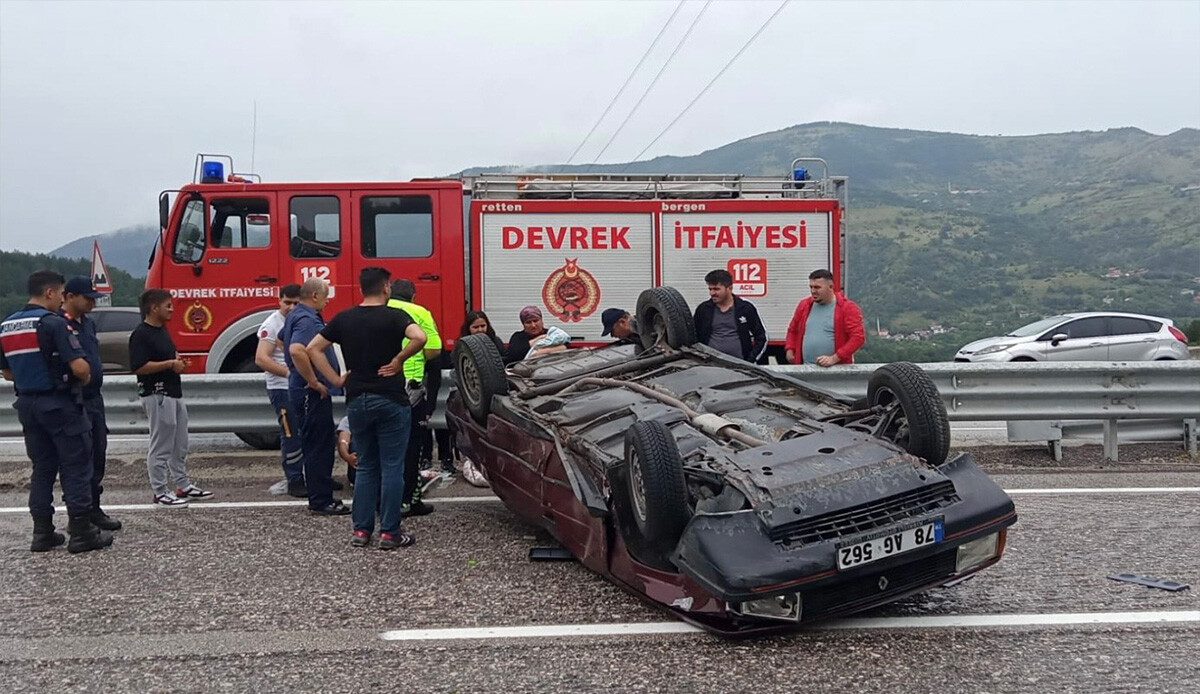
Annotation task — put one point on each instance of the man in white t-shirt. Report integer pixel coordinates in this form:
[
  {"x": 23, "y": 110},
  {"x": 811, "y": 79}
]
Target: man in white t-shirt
[{"x": 269, "y": 357}]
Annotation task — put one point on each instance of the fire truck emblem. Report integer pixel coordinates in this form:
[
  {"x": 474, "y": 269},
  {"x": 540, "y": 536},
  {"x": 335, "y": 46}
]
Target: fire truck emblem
[
  {"x": 198, "y": 317},
  {"x": 571, "y": 293}
]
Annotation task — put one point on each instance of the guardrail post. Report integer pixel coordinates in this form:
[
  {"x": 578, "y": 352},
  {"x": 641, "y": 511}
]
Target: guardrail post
[
  {"x": 1110, "y": 440},
  {"x": 1191, "y": 436}
]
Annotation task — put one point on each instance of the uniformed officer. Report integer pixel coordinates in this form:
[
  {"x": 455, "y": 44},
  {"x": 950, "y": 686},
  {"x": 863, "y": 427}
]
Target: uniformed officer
[
  {"x": 79, "y": 298},
  {"x": 47, "y": 364}
]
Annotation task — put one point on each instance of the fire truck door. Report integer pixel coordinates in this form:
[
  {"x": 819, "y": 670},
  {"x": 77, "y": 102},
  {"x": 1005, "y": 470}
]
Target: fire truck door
[
  {"x": 240, "y": 268},
  {"x": 315, "y": 249},
  {"x": 395, "y": 230}
]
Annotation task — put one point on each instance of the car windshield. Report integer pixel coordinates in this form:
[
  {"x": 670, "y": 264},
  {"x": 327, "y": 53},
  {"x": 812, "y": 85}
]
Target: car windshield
[{"x": 1038, "y": 326}]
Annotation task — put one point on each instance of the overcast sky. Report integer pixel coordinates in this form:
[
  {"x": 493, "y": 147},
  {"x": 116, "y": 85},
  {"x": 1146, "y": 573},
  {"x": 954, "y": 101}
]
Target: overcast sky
[{"x": 103, "y": 104}]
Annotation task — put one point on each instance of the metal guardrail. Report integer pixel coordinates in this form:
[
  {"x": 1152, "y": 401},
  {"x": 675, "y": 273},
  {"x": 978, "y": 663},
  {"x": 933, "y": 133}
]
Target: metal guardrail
[{"x": 1055, "y": 392}]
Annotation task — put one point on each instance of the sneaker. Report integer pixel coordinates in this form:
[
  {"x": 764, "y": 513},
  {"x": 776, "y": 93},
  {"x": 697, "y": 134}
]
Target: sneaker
[
  {"x": 169, "y": 499},
  {"x": 297, "y": 489},
  {"x": 193, "y": 492},
  {"x": 394, "y": 540},
  {"x": 361, "y": 538},
  {"x": 416, "y": 508},
  {"x": 279, "y": 488}
]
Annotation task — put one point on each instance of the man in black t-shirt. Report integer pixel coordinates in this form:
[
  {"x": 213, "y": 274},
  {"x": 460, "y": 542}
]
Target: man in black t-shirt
[
  {"x": 371, "y": 335},
  {"x": 153, "y": 358}
]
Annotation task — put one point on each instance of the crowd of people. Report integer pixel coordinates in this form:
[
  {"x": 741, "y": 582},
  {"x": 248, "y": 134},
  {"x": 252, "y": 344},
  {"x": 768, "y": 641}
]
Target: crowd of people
[{"x": 394, "y": 358}]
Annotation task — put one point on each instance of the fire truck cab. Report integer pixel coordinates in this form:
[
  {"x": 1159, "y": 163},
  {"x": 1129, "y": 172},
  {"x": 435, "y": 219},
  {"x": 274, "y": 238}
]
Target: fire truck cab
[{"x": 573, "y": 244}]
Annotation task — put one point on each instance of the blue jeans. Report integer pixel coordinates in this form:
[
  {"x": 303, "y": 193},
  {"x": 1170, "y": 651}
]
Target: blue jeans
[
  {"x": 289, "y": 435},
  {"x": 379, "y": 427},
  {"x": 318, "y": 440}
]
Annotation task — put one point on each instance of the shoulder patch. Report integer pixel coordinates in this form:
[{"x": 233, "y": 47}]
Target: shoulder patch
[{"x": 263, "y": 333}]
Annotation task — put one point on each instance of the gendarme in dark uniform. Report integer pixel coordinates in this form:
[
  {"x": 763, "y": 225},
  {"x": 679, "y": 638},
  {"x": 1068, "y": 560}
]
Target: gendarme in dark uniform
[
  {"x": 45, "y": 359},
  {"x": 79, "y": 298}
]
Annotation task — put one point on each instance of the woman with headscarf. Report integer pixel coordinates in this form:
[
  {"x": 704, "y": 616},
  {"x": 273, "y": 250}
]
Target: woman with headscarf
[{"x": 524, "y": 342}]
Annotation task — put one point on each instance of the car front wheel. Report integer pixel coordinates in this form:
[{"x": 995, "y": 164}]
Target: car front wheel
[
  {"x": 652, "y": 496},
  {"x": 915, "y": 418}
]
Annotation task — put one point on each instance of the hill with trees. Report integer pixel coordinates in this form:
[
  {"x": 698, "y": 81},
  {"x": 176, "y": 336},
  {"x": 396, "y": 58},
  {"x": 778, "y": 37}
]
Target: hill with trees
[
  {"x": 974, "y": 234},
  {"x": 15, "y": 268}
]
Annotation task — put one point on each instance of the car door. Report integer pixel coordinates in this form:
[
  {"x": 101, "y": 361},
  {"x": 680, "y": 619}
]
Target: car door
[
  {"x": 1132, "y": 339},
  {"x": 1086, "y": 340},
  {"x": 112, "y": 330}
]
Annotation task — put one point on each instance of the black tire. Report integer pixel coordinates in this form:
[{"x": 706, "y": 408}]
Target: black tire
[
  {"x": 652, "y": 494},
  {"x": 480, "y": 372},
  {"x": 921, "y": 426},
  {"x": 662, "y": 313},
  {"x": 263, "y": 441}
]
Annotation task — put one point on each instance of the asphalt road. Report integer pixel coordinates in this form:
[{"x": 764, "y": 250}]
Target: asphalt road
[{"x": 234, "y": 597}]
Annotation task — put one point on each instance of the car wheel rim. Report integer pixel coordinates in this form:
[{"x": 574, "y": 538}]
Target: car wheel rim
[
  {"x": 895, "y": 428},
  {"x": 637, "y": 489},
  {"x": 658, "y": 327},
  {"x": 470, "y": 377}
]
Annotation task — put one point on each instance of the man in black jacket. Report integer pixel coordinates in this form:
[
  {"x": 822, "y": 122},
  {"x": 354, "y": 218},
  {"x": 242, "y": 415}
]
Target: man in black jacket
[{"x": 729, "y": 324}]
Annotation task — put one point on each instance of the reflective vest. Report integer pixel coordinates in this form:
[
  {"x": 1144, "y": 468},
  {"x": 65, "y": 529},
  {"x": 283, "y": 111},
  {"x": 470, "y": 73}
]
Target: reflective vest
[
  {"x": 414, "y": 366},
  {"x": 35, "y": 368}
]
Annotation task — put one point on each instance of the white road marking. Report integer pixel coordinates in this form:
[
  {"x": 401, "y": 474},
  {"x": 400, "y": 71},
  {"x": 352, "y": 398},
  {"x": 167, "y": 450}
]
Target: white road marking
[
  {"x": 201, "y": 505},
  {"x": 1107, "y": 490},
  {"x": 488, "y": 498},
  {"x": 926, "y": 622}
]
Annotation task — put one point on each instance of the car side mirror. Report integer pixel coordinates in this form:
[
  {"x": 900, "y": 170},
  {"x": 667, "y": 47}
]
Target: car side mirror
[{"x": 1057, "y": 338}]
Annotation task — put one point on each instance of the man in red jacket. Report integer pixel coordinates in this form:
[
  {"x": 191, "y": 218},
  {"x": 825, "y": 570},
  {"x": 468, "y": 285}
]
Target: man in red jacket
[{"x": 827, "y": 328}]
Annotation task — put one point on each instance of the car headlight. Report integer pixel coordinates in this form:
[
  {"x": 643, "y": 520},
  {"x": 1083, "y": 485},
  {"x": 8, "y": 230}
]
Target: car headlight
[
  {"x": 786, "y": 607},
  {"x": 976, "y": 553},
  {"x": 994, "y": 348}
]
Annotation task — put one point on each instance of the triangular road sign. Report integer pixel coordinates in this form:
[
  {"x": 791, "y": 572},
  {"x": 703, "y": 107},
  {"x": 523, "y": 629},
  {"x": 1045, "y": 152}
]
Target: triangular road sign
[{"x": 100, "y": 278}]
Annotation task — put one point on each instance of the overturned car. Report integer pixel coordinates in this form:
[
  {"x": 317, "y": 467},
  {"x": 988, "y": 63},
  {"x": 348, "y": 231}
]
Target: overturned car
[{"x": 740, "y": 499}]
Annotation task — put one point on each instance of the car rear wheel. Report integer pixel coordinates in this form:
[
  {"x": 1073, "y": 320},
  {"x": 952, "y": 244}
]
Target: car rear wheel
[
  {"x": 917, "y": 421},
  {"x": 480, "y": 371},
  {"x": 663, "y": 315},
  {"x": 653, "y": 496},
  {"x": 263, "y": 441}
]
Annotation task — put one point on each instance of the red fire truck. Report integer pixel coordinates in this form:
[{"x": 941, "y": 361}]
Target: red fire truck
[{"x": 573, "y": 244}]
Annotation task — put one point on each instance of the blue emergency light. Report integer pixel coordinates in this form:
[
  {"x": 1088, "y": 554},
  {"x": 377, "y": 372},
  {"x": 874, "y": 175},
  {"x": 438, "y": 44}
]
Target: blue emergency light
[
  {"x": 800, "y": 175},
  {"x": 213, "y": 172}
]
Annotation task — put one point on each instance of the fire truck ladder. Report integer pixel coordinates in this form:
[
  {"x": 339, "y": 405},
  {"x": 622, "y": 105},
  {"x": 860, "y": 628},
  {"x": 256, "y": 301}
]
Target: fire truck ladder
[{"x": 619, "y": 186}]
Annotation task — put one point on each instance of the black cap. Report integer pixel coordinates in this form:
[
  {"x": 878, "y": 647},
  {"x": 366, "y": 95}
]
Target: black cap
[
  {"x": 610, "y": 317},
  {"x": 82, "y": 285}
]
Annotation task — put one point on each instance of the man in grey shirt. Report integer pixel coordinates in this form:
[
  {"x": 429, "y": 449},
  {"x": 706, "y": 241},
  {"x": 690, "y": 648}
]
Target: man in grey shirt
[{"x": 729, "y": 323}]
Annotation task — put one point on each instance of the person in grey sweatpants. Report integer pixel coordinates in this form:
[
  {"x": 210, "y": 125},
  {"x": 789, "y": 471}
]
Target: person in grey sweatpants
[{"x": 153, "y": 358}]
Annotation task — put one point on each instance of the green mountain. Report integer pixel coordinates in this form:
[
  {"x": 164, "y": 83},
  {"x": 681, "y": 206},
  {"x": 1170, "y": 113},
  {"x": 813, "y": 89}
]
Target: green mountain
[
  {"x": 980, "y": 234},
  {"x": 15, "y": 268},
  {"x": 977, "y": 234}
]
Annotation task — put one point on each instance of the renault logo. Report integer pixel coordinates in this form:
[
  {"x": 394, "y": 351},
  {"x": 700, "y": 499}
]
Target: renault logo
[{"x": 883, "y": 583}]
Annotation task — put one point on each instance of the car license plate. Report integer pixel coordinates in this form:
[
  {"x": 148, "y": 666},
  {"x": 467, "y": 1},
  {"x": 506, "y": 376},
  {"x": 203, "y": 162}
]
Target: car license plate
[{"x": 868, "y": 551}]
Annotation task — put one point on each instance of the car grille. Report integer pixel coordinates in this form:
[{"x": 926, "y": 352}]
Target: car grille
[
  {"x": 856, "y": 592},
  {"x": 866, "y": 517}
]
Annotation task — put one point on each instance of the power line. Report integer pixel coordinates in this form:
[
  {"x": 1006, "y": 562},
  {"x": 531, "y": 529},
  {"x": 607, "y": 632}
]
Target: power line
[
  {"x": 655, "y": 80},
  {"x": 629, "y": 79},
  {"x": 710, "y": 83}
]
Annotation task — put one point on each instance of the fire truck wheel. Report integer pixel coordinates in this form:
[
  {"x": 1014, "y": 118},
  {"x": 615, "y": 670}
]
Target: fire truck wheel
[
  {"x": 480, "y": 371},
  {"x": 663, "y": 315},
  {"x": 917, "y": 420}
]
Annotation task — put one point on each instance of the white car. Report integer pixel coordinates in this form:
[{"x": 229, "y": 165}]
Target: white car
[{"x": 1091, "y": 336}]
